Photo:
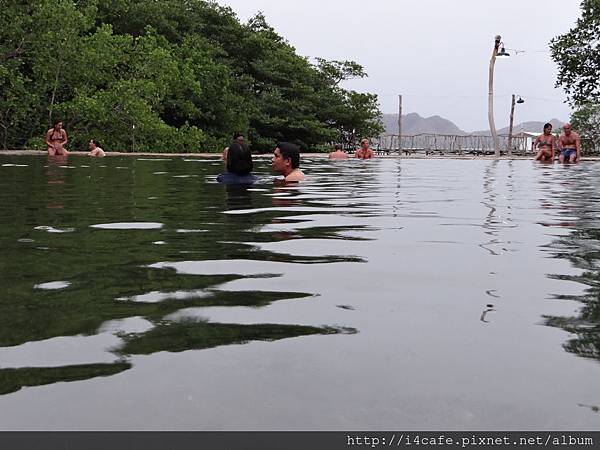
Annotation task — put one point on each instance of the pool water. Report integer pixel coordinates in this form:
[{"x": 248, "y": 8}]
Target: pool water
[{"x": 138, "y": 293}]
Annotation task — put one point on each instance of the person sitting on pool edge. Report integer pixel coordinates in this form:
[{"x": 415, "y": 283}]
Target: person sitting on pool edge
[
  {"x": 364, "y": 152},
  {"x": 569, "y": 145},
  {"x": 546, "y": 144},
  {"x": 239, "y": 165},
  {"x": 56, "y": 139},
  {"x": 95, "y": 149},
  {"x": 338, "y": 153},
  {"x": 286, "y": 161}
]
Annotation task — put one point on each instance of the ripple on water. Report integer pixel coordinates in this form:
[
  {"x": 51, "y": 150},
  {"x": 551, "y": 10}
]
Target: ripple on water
[
  {"x": 243, "y": 267},
  {"x": 128, "y": 226},
  {"x": 52, "y": 285},
  {"x": 54, "y": 230},
  {"x": 183, "y": 230},
  {"x": 159, "y": 296},
  {"x": 153, "y": 159}
]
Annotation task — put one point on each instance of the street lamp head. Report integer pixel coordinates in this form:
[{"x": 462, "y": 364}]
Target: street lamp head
[
  {"x": 520, "y": 100},
  {"x": 503, "y": 53}
]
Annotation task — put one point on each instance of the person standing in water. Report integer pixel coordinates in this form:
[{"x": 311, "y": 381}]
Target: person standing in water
[
  {"x": 95, "y": 149},
  {"x": 286, "y": 161},
  {"x": 237, "y": 137},
  {"x": 56, "y": 139},
  {"x": 239, "y": 165},
  {"x": 546, "y": 144},
  {"x": 338, "y": 153},
  {"x": 569, "y": 145},
  {"x": 364, "y": 152}
]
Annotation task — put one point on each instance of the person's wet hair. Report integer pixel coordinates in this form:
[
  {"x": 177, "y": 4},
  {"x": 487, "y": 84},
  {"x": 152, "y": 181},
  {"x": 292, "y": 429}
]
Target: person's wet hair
[
  {"x": 548, "y": 125},
  {"x": 337, "y": 146},
  {"x": 290, "y": 151},
  {"x": 239, "y": 159},
  {"x": 56, "y": 122}
]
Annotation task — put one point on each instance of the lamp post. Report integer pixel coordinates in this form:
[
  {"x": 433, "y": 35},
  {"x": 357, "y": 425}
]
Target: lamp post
[
  {"x": 500, "y": 54},
  {"x": 510, "y": 128},
  {"x": 399, "y": 124}
]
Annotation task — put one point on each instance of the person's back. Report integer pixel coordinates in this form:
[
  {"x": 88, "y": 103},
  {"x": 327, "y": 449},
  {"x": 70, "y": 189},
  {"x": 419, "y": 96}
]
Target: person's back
[
  {"x": 239, "y": 165},
  {"x": 338, "y": 153},
  {"x": 239, "y": 159}
]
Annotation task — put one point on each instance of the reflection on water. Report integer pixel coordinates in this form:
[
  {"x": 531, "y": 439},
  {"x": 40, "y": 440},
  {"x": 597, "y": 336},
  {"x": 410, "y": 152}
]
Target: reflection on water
[
  {"x": 415, "y": 283},
  {"x": 12, "y": 380},
  {"x": 577, "y": 208}
]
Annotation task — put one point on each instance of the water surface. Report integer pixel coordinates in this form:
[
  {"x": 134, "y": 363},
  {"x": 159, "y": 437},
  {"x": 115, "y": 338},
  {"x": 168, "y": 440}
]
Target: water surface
[{"x": 137, "y": 293}]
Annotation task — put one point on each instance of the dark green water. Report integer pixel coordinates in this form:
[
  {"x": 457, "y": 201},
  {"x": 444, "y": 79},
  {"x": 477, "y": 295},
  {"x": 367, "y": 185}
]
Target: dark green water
[{"x": 137, "y": 293}]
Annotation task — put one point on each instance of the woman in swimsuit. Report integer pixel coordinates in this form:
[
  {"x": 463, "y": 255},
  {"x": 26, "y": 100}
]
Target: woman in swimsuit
[
  {"x": 545, "y": 143},
  {"x": 56, "y": 139}
]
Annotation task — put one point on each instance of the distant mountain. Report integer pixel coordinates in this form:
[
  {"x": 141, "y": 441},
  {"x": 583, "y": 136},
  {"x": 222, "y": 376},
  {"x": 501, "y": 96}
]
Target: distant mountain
[
  {"x": 413, "y": 124},
  {"x": 525, "y": 126}
]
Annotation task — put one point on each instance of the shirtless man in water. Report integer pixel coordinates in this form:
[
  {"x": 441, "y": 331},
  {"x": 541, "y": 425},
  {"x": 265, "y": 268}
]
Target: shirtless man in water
[
  {"x": 569, "y": 145},
  {"x": 546, "y": 144},
  {"x": 286, "y": 161},
  {"x": 338, "y": 153},
  {"x": 56, "y": 139},
  {"x": 364, "y": 152},
  {"x": 95, "y": 149}
]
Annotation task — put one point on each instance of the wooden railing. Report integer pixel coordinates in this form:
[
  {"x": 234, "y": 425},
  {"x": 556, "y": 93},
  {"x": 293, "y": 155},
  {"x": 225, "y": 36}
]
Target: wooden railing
[{"x": 447, "y": 143}]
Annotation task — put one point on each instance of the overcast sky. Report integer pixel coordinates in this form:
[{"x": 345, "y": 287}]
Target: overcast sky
[{"x": 434, "y": 52}]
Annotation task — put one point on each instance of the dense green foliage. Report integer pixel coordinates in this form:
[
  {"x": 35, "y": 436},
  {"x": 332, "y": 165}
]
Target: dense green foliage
[
  {"x": 577, "y": 54},
  {"x": 166, "y": 75}
]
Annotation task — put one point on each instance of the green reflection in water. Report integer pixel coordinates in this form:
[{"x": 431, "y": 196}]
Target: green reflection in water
[
  {"x": 581, "y": 248},
  {"x": 12, "y": 380},
  {"x": 199, "y": 334},
  {"x": 107, "y": 269}
]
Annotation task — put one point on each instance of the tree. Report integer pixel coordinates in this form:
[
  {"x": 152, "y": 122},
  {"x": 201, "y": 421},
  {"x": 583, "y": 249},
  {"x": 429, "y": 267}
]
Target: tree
[
  {"x": 586, "y": 120},
  {"x": 577, "y": 54},
  {"x": 166, "y": 75}
]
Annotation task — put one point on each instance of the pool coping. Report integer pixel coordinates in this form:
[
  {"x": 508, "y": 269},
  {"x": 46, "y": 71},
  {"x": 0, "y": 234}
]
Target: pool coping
[{"x": 268, "y": 155}]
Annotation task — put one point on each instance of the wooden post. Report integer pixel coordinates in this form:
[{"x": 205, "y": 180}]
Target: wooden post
[
  {"x": 399, "y": 124},
  {"x": 491, "y": 98},
  {"x": 510, "y": 127}
]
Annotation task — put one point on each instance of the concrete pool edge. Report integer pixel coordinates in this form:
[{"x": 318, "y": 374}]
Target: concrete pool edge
[{"x": 217, "y": 156}]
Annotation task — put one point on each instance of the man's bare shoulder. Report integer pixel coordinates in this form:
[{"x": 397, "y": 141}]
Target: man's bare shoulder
[{"x": 296, "y": 175}]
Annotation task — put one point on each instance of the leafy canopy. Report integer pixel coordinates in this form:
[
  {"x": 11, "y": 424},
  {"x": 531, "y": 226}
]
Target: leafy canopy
[{"x": 167, "y": 75}]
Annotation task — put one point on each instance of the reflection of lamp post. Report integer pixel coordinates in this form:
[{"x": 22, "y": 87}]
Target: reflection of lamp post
[
  {"x": 501, "y": 54},
  {"x": 133, "y": 138},
  {"x": 510, "y": 127}
]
